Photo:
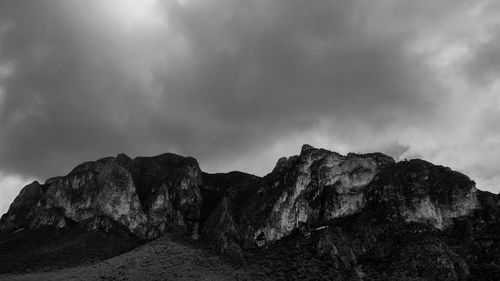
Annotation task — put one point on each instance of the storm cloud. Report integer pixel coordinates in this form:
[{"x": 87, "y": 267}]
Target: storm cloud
[{"x": 238, "y": 84}]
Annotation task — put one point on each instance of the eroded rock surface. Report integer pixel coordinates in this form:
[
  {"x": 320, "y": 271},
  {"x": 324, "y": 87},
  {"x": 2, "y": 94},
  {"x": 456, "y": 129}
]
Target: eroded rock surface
[
  {"x": 360, "y": 214},
  {"x": 147, "y": 195},
  {"x": 315, "y": 186},
  {"x": 168, "y": 187},
  {"x": 419, "y": 191}
]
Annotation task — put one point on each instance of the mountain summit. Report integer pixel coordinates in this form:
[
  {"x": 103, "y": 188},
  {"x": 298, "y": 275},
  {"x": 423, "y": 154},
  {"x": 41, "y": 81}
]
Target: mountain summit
[{"x": 358, "y": 214}]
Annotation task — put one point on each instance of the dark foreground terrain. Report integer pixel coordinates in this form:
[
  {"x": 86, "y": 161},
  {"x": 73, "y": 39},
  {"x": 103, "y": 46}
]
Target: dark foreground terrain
[
  {"x": 407, "y": 252},
  {"x": 162, "y": 259},
  {"x": 317, "y": 216}
]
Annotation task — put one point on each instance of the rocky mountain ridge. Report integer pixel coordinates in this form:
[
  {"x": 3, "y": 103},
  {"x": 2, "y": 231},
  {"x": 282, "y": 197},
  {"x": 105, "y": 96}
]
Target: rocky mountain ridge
[
  {"x": 313, "y": 193},
  {"x": 147, "y": 195}
]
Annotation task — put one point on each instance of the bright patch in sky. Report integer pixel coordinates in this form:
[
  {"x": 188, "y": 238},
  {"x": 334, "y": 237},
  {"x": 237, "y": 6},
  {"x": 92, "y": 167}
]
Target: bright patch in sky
[
  {"x": 133, "y": 12},
  {"x": 10, "y": 187}
]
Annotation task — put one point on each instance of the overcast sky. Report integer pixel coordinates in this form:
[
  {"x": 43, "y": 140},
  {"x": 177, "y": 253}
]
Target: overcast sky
[{"x": 237, "y": 84}]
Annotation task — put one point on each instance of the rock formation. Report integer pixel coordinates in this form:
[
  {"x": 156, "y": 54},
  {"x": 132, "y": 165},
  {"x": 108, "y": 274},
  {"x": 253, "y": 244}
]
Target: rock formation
[
  {"x": 348, "y": 210},
  {"x": 316, "y": 186},
  {"x": 147, "y": 195},
  {"x": 419, "y": 191}
]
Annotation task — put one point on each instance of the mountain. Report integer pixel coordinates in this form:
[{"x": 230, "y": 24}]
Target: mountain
[{"x": 318, "y": 215}]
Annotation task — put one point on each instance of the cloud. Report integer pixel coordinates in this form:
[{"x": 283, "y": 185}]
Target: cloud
[
  {"x": 238, "y": 84},
  {"x": 262, "y": 71},
  {"x": 10, "y": 185}
]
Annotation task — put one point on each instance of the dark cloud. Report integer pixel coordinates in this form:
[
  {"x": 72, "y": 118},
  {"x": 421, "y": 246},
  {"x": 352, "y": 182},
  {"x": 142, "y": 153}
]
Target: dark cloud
[
  {"x": 484, "y": 66},
  {"x": 259, "y": 71},
  {"x": 236, "y": 84},
  {"x": 69, "y": 96}
]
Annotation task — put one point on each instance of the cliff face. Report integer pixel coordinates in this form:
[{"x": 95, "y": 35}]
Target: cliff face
[
  {"x": 168, "y": 187},
  {"x": 146, "y": 195},
  {"x": 150, "y": 195},
  {"x": 27, "y": 212},
  {"x": 317, "y": 185},
  {"x": 101, "y": 188},
  {"x": 354, "y": 207},
  {"x": 418, "y": 191}
]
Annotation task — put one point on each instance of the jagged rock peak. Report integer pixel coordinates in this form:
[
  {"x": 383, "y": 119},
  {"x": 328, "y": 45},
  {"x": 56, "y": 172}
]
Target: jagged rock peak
[
  {"x": 123, "y": 159},
  {"x": 305, "y": 148},
  {"x": 309, "y": 149},
  {"x": 150, "y": 195},
  {"x": 314, "y": 186},
  {"x": 351, "y": 208}
]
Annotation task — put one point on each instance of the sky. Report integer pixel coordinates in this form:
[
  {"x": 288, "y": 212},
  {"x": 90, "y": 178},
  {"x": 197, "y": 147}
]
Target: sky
[{"x": 238, "y": 84}]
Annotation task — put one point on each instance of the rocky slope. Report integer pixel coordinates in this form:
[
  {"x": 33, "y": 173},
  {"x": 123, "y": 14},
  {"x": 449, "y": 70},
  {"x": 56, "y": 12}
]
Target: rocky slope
[
  {"x": 345, "y": 216},
  {"x": 165, "y": 258}
]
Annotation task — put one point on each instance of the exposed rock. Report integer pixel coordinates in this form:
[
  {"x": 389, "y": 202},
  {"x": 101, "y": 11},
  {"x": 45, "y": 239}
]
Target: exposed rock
[
  {"x": 395, "y": 218},
  {"x": 47, "y": 216},
  {"x": 146, "y": 195},
  {"x": 168, "y": 187},
  {"x": 418, "y": 191},
  {"x": 489, "y": 207},
  {"x": 19, "y": 214},
  {"x": 150, "y": 195},
  {"x": 101, "y": 188},
  {"x": 318, "y": 185}
]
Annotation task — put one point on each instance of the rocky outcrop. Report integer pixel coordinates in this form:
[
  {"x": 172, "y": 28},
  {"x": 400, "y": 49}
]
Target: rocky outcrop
[
  {"x": 150, "y": 195},
  {"x": 361, "y": 214},
  {"x": 315, "y": 186},
  {"x": 145, "y": 195},
  {"x": 168, "y": 187},
  {"x": 93, "y": 189},
  {"x": 22, "y": 211},
  {"x": 311, "y": 188},
  {"x": 418, "y": 191},
  {"x": 319, "y": 185}
]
